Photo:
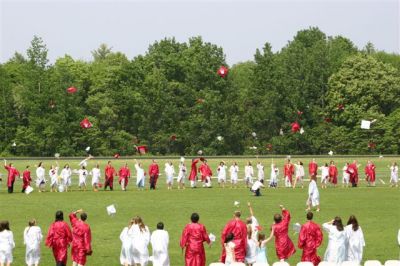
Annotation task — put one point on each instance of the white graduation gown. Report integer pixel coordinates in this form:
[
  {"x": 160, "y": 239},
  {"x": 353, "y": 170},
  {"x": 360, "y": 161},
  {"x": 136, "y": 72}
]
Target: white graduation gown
[
  {"x": 141, "y": 240},
  {"x": 336, "y": 250},
  {"x": 126, "y": 238},
  {"x": 40, "y": 178},
  {"x": 53, "y": 173},
  {"x": 96, "y": 173},
  {"x": 159, "y": 242},
  {"x": 274, "y": 175},
  {"x": 182, "y": 173},
  {"x": 66, "y": 176},
  {"x": 221, "y": 173},
  {"x": 139, "y": 174},
  {"x": 32, "y": 239},
  {"x": 356, "y": 243},
  {"x": 234, "y": 170},
  {"x": 6, "y": 245},
  {"x": 260, "y": 172},
  {"x": 313, "y": 193},
  {"x": 169, "y": 172},
  {"x": 82, "y": 176}
]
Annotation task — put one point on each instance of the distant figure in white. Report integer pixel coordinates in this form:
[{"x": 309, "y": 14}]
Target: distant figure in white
[
  {"x": 355, "y": 238},
  {"x": 260, "y": 172},
  {"x": 53, "y": 174},
  {"x": 40, "y": 177},
  {"x": 299, "y": 174},
  {"x": 346, "y": 176},
  {"x": 181, "y": 175},
  {"x": 96, "y": 174},
  {"x": 273, "y": 181},
  {"x": 140, "y": 175},
  {"x": 83, "y": 173},
  {"x": 221, "y": 174},
  {"x": 234, "y": 172},
  {"x": 337, "y": 245},
  {"x": 32, "y": 239},
  {"x": 248, "y": 174},
  {"x": 66, "y": 173},
  {"x": 313, "y": 194},
  {"x": 159, "y": 242},
  {"x": 324, "y": 175},
  {"x": 394, "y": 175},
  {"x": 169, "y": 173},
  {"x": 141, "y": 239}
]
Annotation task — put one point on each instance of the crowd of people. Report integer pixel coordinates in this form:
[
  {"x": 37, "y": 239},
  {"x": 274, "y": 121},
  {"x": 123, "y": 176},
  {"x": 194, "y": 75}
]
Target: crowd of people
[
  {"x": 241, "y": 240},
  {"x": 293, "y": 175}
]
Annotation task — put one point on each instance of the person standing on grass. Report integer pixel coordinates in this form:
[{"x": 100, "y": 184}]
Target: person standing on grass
[
  {"x": 140, "y": 175},
  {"x": 324, "y": 175},
  {"x": 337, "y": 245},
  {"x": 59, "y": 238},
  {"x": 81, "y": 238},
  {"x": 169, "y": 173},
  {"x": 333, "y": 173},
  {"x": 193, "y": 172},
  {"x": 346, "y": 175},
  {"x": 96, "y": 173},
  {"x": 26, "y": 179},
  {"x": 234, "y": 172},
  {"x": 126, "y": 237},
  {"x": 310, "y": 238},
  {"x": 260, "y": 172},
  {"x": 53, "y": 174},
  {"x": 66, "y": 176},
  {"x": 288, "y": 171},
  {"x": 251, "y": 247},
  {"x": 355, "y": 238},
  {"x": 159, "y": 242},
  {"x": 394, "y": 175},
  {"x": 109, "y": 173},
  {"x": 313, "y": 194},
  {"x": 229, "y": 246},
  {"x": 248, "y": 174},
  {"x": 12, "y": 174},
  {"x": 6, "y": 244},
  {"x": 181, "y": 175},
  {"x": 273, "y": 181},
  {"x": 239, "y": 229},
  {"x": 40, "y": 177},
  {"x": 206, "y": 174},
  {"x": 154, "y": 172},
  {"x": 280, "y": 230},
  {"x": 82, "y": 173},
  {"x": 313, "y": 168},
  {"x": 32, "y": 239},
  {"x": 370, "y": 173},
  {"x": 352, "y": 169},
  {"x": 261, "y": 250},
  {"x": 253, "y": 222},
  {"x": 192, "y": 239},
  {"x": 124, "y": 175},
  {"x": 221, "y": 173},
  {"x": 299, "y": 174}
]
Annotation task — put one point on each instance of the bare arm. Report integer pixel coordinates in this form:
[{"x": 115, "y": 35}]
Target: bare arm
[
  {"x": 270, "y": 236},
  {"x": 250, "y": 209}
]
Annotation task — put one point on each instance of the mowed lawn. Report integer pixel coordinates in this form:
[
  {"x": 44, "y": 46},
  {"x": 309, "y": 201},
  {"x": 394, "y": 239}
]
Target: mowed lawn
[{"x": 378, "y": 210}]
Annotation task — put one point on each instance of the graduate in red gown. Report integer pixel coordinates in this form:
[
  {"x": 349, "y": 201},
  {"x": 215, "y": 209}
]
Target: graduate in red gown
[
  {"x": 154, "y": 172},
  {"x": 370, "y": 173},
  {"x": 283, "y": 245},
  {"x": 239, "y": 230},
  {"x": 333, "y": 173},
  {"x": 206, "y": 173},
  {"x": 288, "y": 171},
  {"x": 124, "y": 174},
  {"x": 313, "y": 168},
  {"x": 352, "y": 170},
  {"x": 58, "y": 238},
  {"x": 192, "y": 239},
  {"x": 310, "y": 238},
  {"x": 81, "y": 238},
  {"x": 109, "y": 176},
  {"x": 12, "y": 174},
  {"x": 26, "y": 179},
  {"x": 193, "y": 172}
]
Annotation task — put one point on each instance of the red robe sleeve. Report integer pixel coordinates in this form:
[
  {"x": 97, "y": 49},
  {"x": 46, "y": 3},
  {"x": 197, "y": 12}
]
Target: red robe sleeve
[
  {"x": 50, "y": 236},
  {"x": 206, "y": 238},
  {"x": 319, "y": 235},
  {"x": 184, "y": 237},
  {"x": 88, "y": 241},
  {"x": 302, "y": 238},
  {"x": 286, "y": 217}
]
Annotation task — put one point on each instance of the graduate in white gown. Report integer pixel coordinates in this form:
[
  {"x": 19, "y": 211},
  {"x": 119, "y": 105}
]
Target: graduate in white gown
[
  {"x": 83, "y": 173},
  {"x": 355, "y": 238},
  {"x": 126, "y": 237},
  {"x": 260, "y": 172},
  {"x": 141, "y": 239},
  {"x": 159, "y": 242},
  {"x": 248, "y": 174},
  {"x": 6, "y": 243},
  {"x": 96, "y": 174},
  {"x": 66, "y": 176},
  {"x": 169, "y": 172},
  {"x": 273, "y": 181},
  {"x": 394, "y": 175},
  {"x": 140, "y": 175},
  {"x": 53, "y": 174},
  {"x": 313, "y": 194},
  {"x": 336, "y": 250},
  {"x": 324, "y": 175},
  {"x": 233, "y": 171},
  {"x": 40, "y": 177},
  {"x": 221, "y": 174},
  {"x": 181, "y": 175},
  {"x": 32, "y": 239}
]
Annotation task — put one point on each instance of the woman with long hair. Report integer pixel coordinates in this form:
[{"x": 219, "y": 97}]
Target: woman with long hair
[
  {"x": 355, "y": 238},
  {"x": 126, "y": 237},
  {"x": 141, "y": 235},
  {"x": 336, "y": 250}
]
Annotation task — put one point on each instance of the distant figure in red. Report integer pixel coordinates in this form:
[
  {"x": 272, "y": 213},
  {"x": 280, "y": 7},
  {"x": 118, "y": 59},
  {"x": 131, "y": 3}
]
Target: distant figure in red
[
  {"x": 192, "y": 240},
  {"x": 206, "y": 173},
  {"x": 193, "y": 173},
  {"x": 333, "y": 173},
  {"x": 352, "y": 170},
  {"x": 154, "y": 172},
  {"x": 12, "y": 174},
  {"x": 288, "y": 171},
  {"x": 310, "y": 238},
  {"x": 239, "y": 230},
  {"x": 81, "y": 238},
  {"x": 109, "y": 176},
  {"x": 283, "y": 245},
  {"x": 124, "y": 174},
  {"x": 58, "y": 238},
  {"x": 313, "y": 168},
  {"x": 370, "y": 173},
  {"x": 26, "y": 179}
]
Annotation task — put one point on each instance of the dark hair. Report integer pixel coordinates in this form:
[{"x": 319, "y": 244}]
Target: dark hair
[
  {"x": 301, "y": 163},
  {"x": 27, "y": 167},
  {"x": 32, "y": 222},
  {"x": 59, "y": 216},
  {"x": 40, "y": 164},
  {"x": 83, "y": 216},
  {"x": 338, "y": 223},
  {"x": 260, "y": 237},
  {"x": 229, "y": 237},
  {"x": 277, "y": 218},
  {"x": 310, "y": 215},
  {"x": 326, "y": 164},
  {"x": 195, "y": 217},
  {"x": 160, "y": 226},
  {"x": 237, "y": 214},
  {"x": 4, "y": 225},
  {"x": 354, "y": 222}
]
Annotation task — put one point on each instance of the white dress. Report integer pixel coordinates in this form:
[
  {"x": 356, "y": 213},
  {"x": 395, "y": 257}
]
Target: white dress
[
  {"x": 6, "y": 246},
  {"x": 394, "y": 174},
  {"x": 182, "y": 173},
  {"x": 82, "y": 176},
  {"x": 299, "y": 171},
  {"x": 324, "y": 174},
  {"x": 234, "y": 170},
  {"x": 53, "y": 174},
  {"x": 96, "y": 173},
  {"x": 251, "y": 251},
  {"x": 126, "y": 238},
  {"x": 313, "y": 193},
  {"x": 346, "y": 176},
  {"x": 66, "y": 176},
  {"x": 32, "y": 239},
  {"x": 40, "y": 179},
  {"x": 159, "y": 242},
  {"x": 356, "y": 243},
  {"x": 274, "y": 175},
  {"x": 139, "y": 175},
  {"x": 260, "y": 172},
  {"x": 221, "y": 173},
  {"x": 141, "y": 240},
  {"x": 248, "y": 173},
  {"x": 336, "y": 250},
  {"x": 169, "y": 172}
]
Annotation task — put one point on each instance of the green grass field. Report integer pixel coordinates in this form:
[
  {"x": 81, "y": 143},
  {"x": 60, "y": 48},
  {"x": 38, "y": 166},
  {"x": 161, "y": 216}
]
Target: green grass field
[{"x": 378, "y": 210}]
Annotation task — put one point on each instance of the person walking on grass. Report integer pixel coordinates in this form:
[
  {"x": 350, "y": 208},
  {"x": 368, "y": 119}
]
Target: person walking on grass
[
  {"x": 6, "y": 244},
  {"x": 159, "y": 242},
  {"x": 59, "y": 238},
  {"x": 313, "y": 194},
  {"x": 337, "y": 245},
  {"x": 310, "y": 238},
  {"x": 81, "y": 238},
  {"x": 32, "y": 239},
  {"x": 12, "y": 174},
  {"x": 355, "y": 238}
]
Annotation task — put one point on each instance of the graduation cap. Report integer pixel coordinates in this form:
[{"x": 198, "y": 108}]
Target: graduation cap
[
  {"x": 14, "y": 144},
  {"x": 212, "y": 237},
  {"x": 299, "y": 113},
  {"x": 297, "y": 227},
  {"x": 182, "y": 159},
  {"x": 72, "y": 90},
  {"x": 269, "y": 146},
  {"x": 220, "y": 138},
  {"x": 85, "y": 123},
  {"x": 111, "y": 210},
  {"x": 295, "y": 127},
  {"x": 330, "y": 153},
  {"x": 57, "y": 155},
  {"x": 302, "y": 131},
  {"x": 142, "y": 149},
  {"x": 200, "y": 152},
  {"x": 236, "y": 203},
  {"x": 28, "y": 190},
  {"x": 254, "y": 134},
  {"x": 222, "y": 72},
  {"x": 371, "y": 145},
  {"x": 116, "y": 156},
  {"x": 340, "y": 107},
  {"x": 253, "y": 148},
  {"x": 365, "y": 124},
  {"x": 87, "y": 149}
]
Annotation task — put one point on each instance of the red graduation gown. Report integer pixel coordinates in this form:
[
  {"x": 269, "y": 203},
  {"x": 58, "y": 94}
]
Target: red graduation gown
[
  {"x": 109, "y": 173},
  {"x": 124, "y": 173},
  {"x": 288, "y": 171},
  {"x": 154, "y": 171},
  {"x": 26, "y": 179},
  {"x": 58, "y": 238},
  {"x": 370, "y": 172},
  {"x": 353, "y": 171},
  {"x": 193, "y": 170},
  {"x": 333, "y": 173},
  {"x": 81, "y": 240},
  {"x": 284, "y": 246},
  {"x": 310, "y": 239},
  {"x": 12, "y": 174},
  {"x": 312, "y": 168},
  {"x": 205, "y": 171},
  {"x": 239, "y": 230},
  {"x": 192, "y": 239}
]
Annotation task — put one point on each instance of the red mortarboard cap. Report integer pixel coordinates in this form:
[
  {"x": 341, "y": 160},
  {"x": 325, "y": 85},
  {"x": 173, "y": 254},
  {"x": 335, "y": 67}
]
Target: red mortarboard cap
[
  {"x": 142, "y": 149},
  {"x": 116, "y": 156},
  {"x": 269, "y": 146},
  {"x": 72, "y": 90},
  {"x": 85, "y": 123},
  {"x": 340, "y": 107},
  {"x": 295, "y": 127},
  {"x": 328, "y": 119},
  {"x": 222, "y": 71}
]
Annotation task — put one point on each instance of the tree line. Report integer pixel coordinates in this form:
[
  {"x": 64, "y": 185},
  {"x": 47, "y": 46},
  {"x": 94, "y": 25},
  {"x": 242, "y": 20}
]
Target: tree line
[{"x": 172, "y": 100}]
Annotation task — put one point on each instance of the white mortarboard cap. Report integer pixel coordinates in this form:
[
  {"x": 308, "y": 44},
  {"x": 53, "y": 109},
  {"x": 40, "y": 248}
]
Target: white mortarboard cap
[
  {"x": 212, "y": 237},
  {"x": 236, "y": 203},
  {"x": 111, "y": 210},
  {"x": 87, "y": 149},
  {"x": 281, "y": 132},
  {"x": 253, "y": 148},
  {"x": 301, "y": 130},
  {"x": 288, "y": 157},
  {"x": 254, "y": 134},
  {"x": 28, "y": 190},
  {"x": 365, "y": 124},
  {"x": 380, "y": 156},
  {"x": 14, "y": 144},
  {"x": 200, "y": 152},
  {"x": 296, "y": 227},
  {"x": 57, "y": 155},
  {"x": 182, "y": 159},
  {"x": 220, "y": 138},
  {"x": 330, "y": 153},
  {"x": 61, "y": 188}
]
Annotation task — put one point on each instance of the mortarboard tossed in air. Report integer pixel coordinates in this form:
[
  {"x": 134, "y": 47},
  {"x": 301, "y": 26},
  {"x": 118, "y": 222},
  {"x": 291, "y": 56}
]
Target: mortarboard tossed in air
[
  {"x": 57, "y": 155},
  {"x": 85, "y": 123},
  {"x": 297, "y": 227},
  {"x": 340, "y": 107},
  {"x": 330, "y": 153},
  {"x": 200, "y": 152},
  {"x": 299, "y": 113},
  {"x": 28, "y": 190},
  {"x": 14, "y": 144},
  {"x": 212, "y": 237},
  {"x": 116, "y": 156},
  {"x": 220, "y": 138},
  {"x": 236, "y": 203},
  {"x": 72, "y": 90},
  {"x": 295, "y": 127},
  {"x": 365, "y": 124},
  {"x": 142, "y": 149},
  {"x": 254, "y": 134},
  {"x": 302, "y": 131},
  {"x": 253, "y": 148},
  {"x": 111, "y": 210},
  {"x": 182, "y": 159},
  {"x": 269, "y": 146},
  {"x": 87, "y": 149},
  {"x": 222, "y": 72},
  {"x": 281, "y": 132}
]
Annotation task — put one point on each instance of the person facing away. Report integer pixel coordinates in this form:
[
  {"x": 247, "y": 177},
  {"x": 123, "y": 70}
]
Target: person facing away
[
  {"x": 141, "y": 239},
  {"x": 6, "y": 243},
  {"x": 355, "y": 238},
  {"x": 159, "y": 243},
  {"x": 261, "y": 250},
  {"x": 32, "y": 239},
  {"x": 126, "y": 237},
  {"x": 192, "y": 239},
  {"x": 336, "y": 250},
  {"x": 81, "y": 238},
  {"x": 26, "y": 179},
  {"x": 59, "y": 238},
  {"x": 310, "y": 238},
  {"x": 239, "y": 230},
  {"x": 229, "y": 246}
]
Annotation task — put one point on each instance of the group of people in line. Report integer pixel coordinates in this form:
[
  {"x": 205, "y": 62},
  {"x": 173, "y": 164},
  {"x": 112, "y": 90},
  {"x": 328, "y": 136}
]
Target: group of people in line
[
  {"x": 242, "y": 241},
  {"x": 293, "y": 175}
]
